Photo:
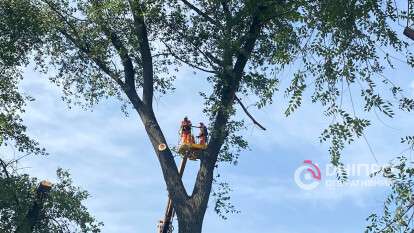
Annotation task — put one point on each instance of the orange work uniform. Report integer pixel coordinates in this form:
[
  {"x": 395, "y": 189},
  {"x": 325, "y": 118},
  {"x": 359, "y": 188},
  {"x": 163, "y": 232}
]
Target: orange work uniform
[
  {"x": 203, "y": 135},
  {"x": 186, "y": 132}
]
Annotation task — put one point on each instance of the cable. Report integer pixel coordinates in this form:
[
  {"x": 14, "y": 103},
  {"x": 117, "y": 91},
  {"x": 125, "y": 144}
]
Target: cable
[{"x": 363, "y": 134}]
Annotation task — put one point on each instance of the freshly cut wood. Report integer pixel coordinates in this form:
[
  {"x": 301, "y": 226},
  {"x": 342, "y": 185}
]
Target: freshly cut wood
[{"x": 162, "y": 147}]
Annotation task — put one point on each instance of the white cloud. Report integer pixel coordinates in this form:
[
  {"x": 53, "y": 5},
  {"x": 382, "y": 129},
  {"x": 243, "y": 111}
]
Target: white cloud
[{"x": 110, "y": 156}]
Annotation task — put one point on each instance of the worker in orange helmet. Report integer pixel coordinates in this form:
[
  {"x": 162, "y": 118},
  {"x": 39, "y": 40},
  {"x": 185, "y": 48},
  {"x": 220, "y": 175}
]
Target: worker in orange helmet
[
  {"x": 203, "y": 133},
  {"x": 185, "y": 131}
]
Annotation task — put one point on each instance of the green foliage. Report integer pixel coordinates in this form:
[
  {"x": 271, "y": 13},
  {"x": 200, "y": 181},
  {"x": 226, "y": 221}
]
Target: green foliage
[
  {"x": 330, "y": 44},
  {"x": 63, "y": 209},
  {"x": 343, "y": 132},
  {"x": 78, "y": 44},
  {"x": 12, "y": 104},
  {"x": 222, "y": 199},
  {"x": 408, "y": 140},
  {"x": 407, "y": 104},
  {"x": 20, "y": 31},
  {"x": 244, "y": 46},
  {"x": 234, "y": 145},
  {"x": 343, "y": 43},
  {"x": 398, "y": 210},
  {"x": 262, "y": 87},
  {"x": 296, "y": 88}
]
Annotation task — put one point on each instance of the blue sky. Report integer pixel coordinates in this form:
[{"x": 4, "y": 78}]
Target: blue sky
[{"x": 109, "y": 155}]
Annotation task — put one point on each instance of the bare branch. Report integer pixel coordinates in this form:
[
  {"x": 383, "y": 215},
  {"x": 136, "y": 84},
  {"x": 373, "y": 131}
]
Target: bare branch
[{"x": 248, "y": 114}]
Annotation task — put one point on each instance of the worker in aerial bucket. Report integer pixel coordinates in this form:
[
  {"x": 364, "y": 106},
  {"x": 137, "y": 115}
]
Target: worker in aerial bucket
[
  {"x": 185, "y": 131},
  {"x": 203, "y": 133}
]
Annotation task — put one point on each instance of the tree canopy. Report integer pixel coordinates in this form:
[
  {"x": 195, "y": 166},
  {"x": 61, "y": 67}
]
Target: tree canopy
[
  {"x": 99, "y": 48},
  {"x": 397, "y": 214},
  {"x": 20, "y": 30},
  {"x": 63, "y": 209},
  {"x": 128, "y": 49}
]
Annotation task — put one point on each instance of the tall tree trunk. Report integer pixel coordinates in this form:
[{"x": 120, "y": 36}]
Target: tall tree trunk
[
  {"x": 189, "y": 226},
  {"x": 190, "y": 220}
]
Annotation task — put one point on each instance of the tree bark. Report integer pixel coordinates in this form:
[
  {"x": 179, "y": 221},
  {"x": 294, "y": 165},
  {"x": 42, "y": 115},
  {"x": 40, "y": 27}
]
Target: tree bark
[
  {"x": 191, "y": 220},
  {"x": 189, "y": 226}
]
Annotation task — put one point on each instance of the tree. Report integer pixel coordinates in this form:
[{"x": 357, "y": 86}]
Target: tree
[
  {"x": 60, "y": 211},
  {"x": 104, "y": 48},
  {"x": 20, "y": 32},
  {"x": 398, "y": 206},
  {"x": 22, "y": 209}
]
